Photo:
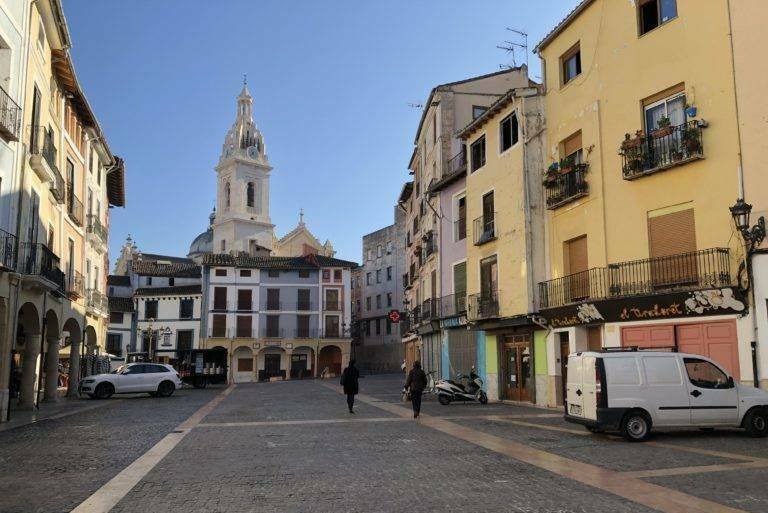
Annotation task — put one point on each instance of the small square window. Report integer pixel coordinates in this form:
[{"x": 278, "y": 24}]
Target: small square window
[
  {"x": 245, "y": 273},
  {"x": 303, "y": 274},
  {"x": 571, "y": 64},
  {"x": 508, "y": 129},
  {"x": 337, "y": 275},
  {"x": 478, "y": 110},
  {"x": 273, "y": 273},
  {"x": 652, "y": 13},
  {"x": 221, "y": 272},
  {"x": 477, "y": 151},
  {"x": 326, "y": 275}
]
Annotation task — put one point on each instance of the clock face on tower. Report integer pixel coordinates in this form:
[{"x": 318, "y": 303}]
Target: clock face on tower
[{"x": 253, "y": 152}]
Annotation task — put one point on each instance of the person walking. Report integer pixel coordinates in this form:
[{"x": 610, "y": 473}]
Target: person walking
[
  {"x": 416, "y": 383},
  {"x": 349, "y": 381}
]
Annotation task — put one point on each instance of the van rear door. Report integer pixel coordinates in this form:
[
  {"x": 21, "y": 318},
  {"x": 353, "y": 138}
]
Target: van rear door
[{"x": 578, "y": 401}]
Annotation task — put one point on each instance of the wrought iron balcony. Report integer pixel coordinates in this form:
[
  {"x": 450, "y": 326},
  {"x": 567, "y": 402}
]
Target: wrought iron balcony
[
  {"x": 43, "y": 154},
  {"x": 75, "y": 285},
  {"x": 707, "y": 268},
  {"x": 96, "y": 301},
  {"x": 661, "y": 149},
  {"x": 273, "y": 333},
  {"x": 331, "y": 333},
  {"x": 332, "y": 306},
  {"x": 453, "y": 305},
  {"x": 10, "y": 117},
  {"x": 483, "y": 306},
  {"x": 457, "y": 163},
  {"x": 430, "y": 243},
  {"x": 273, "y": 306},
  {"x": 303, "y": 306},
  {"x": 430, "y": 309},
  {"x": 96, "y": 228},
  {"x": 485, "y": 229},
  {"x": 41, "y": 265},
  {"x": 7, "y": 251},
  {"x": 305, "y": 333},
  {"x": 415, "y": 315},
  {"x": 564, "y": 187},
  {"x": 74, "y": 206}
]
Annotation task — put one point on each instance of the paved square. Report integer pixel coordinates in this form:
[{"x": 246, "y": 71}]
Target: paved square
[{"x": 293, "y": 447}]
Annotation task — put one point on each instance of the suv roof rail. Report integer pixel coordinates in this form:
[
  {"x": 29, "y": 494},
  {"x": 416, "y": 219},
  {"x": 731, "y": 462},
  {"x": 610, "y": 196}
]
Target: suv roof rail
[{"x": 628, "y": 349}]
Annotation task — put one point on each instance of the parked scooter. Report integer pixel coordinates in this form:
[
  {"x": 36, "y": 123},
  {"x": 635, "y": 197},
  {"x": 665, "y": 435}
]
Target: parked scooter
[{"x": 448, "y": 390}]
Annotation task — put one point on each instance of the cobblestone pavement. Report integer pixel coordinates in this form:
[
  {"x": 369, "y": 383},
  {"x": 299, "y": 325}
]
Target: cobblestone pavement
[{"x": 292, "y": 447}]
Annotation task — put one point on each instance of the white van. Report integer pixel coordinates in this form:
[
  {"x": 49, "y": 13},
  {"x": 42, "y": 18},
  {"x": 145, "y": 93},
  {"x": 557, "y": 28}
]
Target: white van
[{"x": 631, "y": 391}]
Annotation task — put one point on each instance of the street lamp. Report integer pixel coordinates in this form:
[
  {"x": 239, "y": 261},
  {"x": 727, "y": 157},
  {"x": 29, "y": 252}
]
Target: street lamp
[{"x": 753, "y": 236}]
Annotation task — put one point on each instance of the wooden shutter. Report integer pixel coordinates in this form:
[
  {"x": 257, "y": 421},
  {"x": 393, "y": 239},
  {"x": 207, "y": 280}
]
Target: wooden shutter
[
  {"x": 244, "y": 326},
  {"x": 460, "y": 279},
  {"x": 273, "y": 299},
  {"x": 572, "y": 144},
  {"x": 220, "y": 298},
  {"x": 672, "y": 243},
  {"x": 244, "y": 299},
  {"x": 219, "y": 325},
  {"x": 578, "y": 284}
]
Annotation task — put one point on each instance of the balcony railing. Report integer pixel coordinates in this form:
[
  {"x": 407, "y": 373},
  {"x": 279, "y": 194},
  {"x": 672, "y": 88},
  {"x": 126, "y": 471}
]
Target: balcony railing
[
  {"x": 485, "y": 229},
  {"x": 453, "y": 305},
  {"x": 10, "y": 117},
  {"x": 405, "y": 325},
  {"x": 661, "y": 149},
  {"x": 430, "y": 243},
  {"x": 686, "y": 271},
  {"x": 95, "y": 300},
  {"x": 75, "y": 285},
  {"x": 430, "y": 309},
  {"x": 36, "y": 259},
  {"x": 332, "y": 306},
  {"x": 415, "y": 315},
  {"x": 43, "y": 153},
  {"x": 457, "y": 163},
  {"x": 273, "y": 333},
  {"x": 303, "y": 306},
  {"x": 7, "y": 250},
  {"x": 484, "y": 305},
  {"x": 244, "y": 306},
  {"x": 565, "y": 187},
  {"x": 74, "y": 206},
  {"x": 273, "y": 306},
  {"x": 331, "y": 333},
  {"x": 460, "y": 229},
  {"x": 95, "y": 227}
]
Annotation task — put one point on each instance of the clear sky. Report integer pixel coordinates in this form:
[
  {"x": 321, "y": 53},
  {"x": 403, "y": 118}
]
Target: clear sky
[{"x": 331, "y": 82}]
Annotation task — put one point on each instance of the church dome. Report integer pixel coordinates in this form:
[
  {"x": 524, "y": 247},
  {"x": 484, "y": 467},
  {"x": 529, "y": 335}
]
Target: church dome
[{"x": 203, "y": 243}]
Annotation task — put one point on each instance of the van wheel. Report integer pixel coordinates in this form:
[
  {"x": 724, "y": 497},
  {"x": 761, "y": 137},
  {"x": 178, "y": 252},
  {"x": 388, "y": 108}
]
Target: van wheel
[
  {"x": 104, "y": 391},
  {"x": 165, "y": 389},
  {"x": 444, "y": 400},
  {"x": 483, "y": 398},
  {"x": 756, "y": 422},
  {"x": 635, "y": 426}
]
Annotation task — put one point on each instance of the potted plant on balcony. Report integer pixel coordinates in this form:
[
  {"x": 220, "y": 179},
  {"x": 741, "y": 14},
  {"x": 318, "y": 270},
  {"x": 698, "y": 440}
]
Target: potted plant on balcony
[
  {"x": 690, "y": 140},
  {"x": 550, "y": 175},
  {"x": 567, "y": 164},
  {"x": 664, "y": 128},
  {"x": 630, "y": 143}
]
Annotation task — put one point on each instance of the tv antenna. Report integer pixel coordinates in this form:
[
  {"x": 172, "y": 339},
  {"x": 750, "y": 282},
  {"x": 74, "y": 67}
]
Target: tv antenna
[
  {"x": 416, "y": 105},
  {"x": 520, "y": 42}
]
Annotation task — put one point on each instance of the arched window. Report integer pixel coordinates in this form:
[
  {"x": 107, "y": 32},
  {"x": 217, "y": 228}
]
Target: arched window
[
  {"x": 250, "y": 194},
  {"x": 227, "y": 195}
]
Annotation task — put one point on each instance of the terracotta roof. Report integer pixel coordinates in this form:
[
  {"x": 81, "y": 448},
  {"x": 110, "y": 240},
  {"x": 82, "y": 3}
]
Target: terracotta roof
[
  {"x": 562, "y": 25},
  {"x": 181, "y": 290},
  {"x": 118, "y": 281},
  {"x": 405, "y": 192},
  {"x": 174, "y": 259},
  {"x": 175, "y": 269},
  {"x": 120, "y": 304},
  {"x": 247, "y": 261}
]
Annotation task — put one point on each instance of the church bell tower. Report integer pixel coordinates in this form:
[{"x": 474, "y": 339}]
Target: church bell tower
[{"x": 242, "y": 200}]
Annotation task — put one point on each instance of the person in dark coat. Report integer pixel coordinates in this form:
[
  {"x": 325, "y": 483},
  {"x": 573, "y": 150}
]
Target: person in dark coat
[
  {"x": 416, "y": 383},
  {"x": 349, "y": 381}
]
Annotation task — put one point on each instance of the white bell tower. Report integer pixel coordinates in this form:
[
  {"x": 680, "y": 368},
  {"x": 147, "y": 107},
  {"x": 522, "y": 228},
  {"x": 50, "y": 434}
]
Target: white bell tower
[{"x": 242, "y": 198}]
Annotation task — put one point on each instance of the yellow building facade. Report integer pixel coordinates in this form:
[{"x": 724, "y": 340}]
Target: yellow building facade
[
  {"x": 505, "y": 243},
  {"x": 642, "y": 165}
]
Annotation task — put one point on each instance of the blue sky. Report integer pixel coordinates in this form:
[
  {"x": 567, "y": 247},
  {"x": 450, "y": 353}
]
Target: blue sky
[{"x": 331, "y": 82}]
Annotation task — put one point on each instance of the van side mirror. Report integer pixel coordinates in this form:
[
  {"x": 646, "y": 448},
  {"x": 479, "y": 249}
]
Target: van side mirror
[{"x": 730, "y": 382}]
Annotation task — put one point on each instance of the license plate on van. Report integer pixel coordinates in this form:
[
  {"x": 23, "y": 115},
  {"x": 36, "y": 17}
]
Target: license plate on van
[{"x": 574, "y": 409}]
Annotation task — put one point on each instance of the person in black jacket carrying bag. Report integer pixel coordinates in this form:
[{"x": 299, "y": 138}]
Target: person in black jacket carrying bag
[
  {"x": 416, "y": 383},
  {"x": 349, "y": 381}
]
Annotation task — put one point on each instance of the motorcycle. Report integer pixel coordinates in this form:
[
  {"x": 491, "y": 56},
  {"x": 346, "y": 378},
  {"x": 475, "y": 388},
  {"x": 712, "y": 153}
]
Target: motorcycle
[{"x": 448, "y": 390}]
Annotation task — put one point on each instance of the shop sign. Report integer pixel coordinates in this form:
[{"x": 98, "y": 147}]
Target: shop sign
[{"x": 723, "y": 301}]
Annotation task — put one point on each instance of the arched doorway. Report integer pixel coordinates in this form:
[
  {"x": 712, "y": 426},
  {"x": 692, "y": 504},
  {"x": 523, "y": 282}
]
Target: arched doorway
[
  {"x": 51, "y": 357},
  {"x": 272, "y": 363},
  {"x": 242, "y": 365},
  {"x": 25, "y": 354},
  {"x": 302, "y": 362},
  {"x": 330, "y": 358},
  {"x": 73, "y": 337}
]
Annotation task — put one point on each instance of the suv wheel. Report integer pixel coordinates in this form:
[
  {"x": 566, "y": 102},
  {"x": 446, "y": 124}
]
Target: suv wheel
[
  {"x": 104, "y": 391},
  {"x": 635, "y": 426},
  {"x": 165, "y": 389},
  {"x": 756, "y": 422}
]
